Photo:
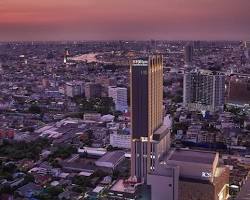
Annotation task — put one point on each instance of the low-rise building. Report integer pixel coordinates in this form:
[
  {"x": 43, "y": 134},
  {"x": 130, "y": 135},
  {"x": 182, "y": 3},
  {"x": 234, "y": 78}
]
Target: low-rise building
[
  {"x": 120, "y": 139},
  {"x": 123, "y": 189},
  {"x": 183, "y": 170},
  {"x": 111, "y": 159}
]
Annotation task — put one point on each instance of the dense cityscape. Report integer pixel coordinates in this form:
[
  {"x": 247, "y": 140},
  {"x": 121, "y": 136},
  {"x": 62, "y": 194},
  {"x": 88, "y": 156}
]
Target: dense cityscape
[{"x": 160, "y": 120}]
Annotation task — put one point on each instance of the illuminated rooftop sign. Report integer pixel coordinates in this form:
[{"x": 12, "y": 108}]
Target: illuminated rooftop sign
[
  {"x": 206, "y": 174},
  {"x": 140, "y": 63}
]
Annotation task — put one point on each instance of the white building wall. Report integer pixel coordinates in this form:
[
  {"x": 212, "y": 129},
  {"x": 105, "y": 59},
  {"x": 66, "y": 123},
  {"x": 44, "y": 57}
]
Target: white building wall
[
  {"x": 74, "y": 89},
  {"x": 119, "y": 96},
  {"x": 120, "y": 140},
  {"x": 164, "y": 183}
]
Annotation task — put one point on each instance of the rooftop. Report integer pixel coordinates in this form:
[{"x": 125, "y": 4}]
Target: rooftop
[
  {"x": 244, "y": 194},
  {"x": 160, "y": 133},
  {"x": 28, "y": 188},
  {"x": 202, "y": 157},
  {"x": 119, "y": 186},
  {"x": 98, "y": 189},
  {"x": 112, "y": 157}
]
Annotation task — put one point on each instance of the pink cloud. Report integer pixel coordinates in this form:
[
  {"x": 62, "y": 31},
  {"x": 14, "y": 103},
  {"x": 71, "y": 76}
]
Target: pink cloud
[{"x": 125, "y": 19}]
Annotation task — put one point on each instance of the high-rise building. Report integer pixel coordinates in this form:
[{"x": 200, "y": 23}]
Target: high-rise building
[
  {"x": 1, "y": 68},
  {"x": 45, "y": 83},
  {"x": 74, "y": 88},
  {"x": 120, "y": 97},
  {"x": 149, "y": 135},
  {"x": 93, "y": 90},
  {"x": 247, "y": 44},
  {"x": 246, "y": 49},
  {"x": 153, "y": 46},
  {"x": 197, "y": 44},
  {"x": 188, "y": 53},
  {"x": 106, "y": 81},
  {"x": 66, "y": 55},
  {"x": 239, "y": 85},
  {"x": 204, "y": 90}
]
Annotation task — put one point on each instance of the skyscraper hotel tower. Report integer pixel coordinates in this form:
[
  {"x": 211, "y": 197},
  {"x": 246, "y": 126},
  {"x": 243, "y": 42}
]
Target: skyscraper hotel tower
[{"x": 149, "y": 139}]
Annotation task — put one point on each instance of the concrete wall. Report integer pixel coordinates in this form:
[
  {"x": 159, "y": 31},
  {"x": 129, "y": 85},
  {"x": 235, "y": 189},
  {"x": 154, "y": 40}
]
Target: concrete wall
[
  {"x": 164, "y": 183},
  {"x": 195, "y": 191},
  {"x": 191, "y": 170},
  {"x": 162, "y": 187}
]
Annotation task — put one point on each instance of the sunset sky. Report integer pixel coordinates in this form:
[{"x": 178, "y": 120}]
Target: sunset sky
[{"x": 124, "y": 19}]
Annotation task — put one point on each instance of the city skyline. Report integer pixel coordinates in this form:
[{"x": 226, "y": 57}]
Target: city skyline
[
  {"x": 129, "y": 20},
  {"x": 120, "y": 119},
  {"x": 125, "y": 99}
]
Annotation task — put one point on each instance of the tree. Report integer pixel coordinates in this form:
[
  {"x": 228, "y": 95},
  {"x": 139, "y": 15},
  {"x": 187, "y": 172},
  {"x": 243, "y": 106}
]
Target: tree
[
  {"x": 56, "y": 164},
  {"x": 177, "y": 99},
  {"x": 99, "y": 173},
  {"x": 248, "y": 127},
  {"x": 54, "y": 190},
  {"x": 9, "y": 168},
  {"x": 79, "y": 189},
  {"x": 35, "y": 109},
  {"x": 81, "y": 181},
  {"x": 105, "y": 106},
  {"x": 21, "y": 150},
  {"x": 63, "y": 152},
  {"x": 117, "y": 114},
  {"x": 110, "y": 148},
  {"x": 50, "y": 193},
  {"x": 179, "y": 126},
  {"x": 28, "y": 178},
  {"x": 116, "y": 174},
  {"x": 6, "y": 189}
]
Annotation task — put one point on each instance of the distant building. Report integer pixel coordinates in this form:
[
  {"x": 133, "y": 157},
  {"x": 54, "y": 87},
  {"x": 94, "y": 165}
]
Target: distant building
[
  {"x": 92, "y": 116},
  {"x": 247, "y": 44},
  {"x": 239, "y": 90},
  {"x": 1, "y": 68},
  {"x": 246, "y": 51},
  {"x": 204, "y": 90},
  {"x": 45, "y": 83},
  {"x": 188, "y": 53},
  {"x": 66, "y": 55},
  {"x": 107, "y": 81},
  {"x": 197, "y": 44},
  {"x": 93, "y": 90},
  {"x": 120, "y": 97},
  {"x": 74, "y": 88}
]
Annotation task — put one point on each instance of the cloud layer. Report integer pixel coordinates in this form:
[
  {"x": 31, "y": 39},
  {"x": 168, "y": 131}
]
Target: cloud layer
[{"x": 124, "y": 19}]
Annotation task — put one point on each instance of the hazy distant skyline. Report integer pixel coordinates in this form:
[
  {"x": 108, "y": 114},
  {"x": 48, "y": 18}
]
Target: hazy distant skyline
[{"x": 124, "y": 19}]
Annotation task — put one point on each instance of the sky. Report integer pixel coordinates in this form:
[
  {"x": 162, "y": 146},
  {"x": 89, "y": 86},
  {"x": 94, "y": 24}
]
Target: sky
[{"x": 124, "y": 19}]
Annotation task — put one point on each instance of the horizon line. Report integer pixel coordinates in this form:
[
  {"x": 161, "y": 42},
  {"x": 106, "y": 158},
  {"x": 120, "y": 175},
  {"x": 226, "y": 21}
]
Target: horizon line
[{"x": 124, "y": 40}]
